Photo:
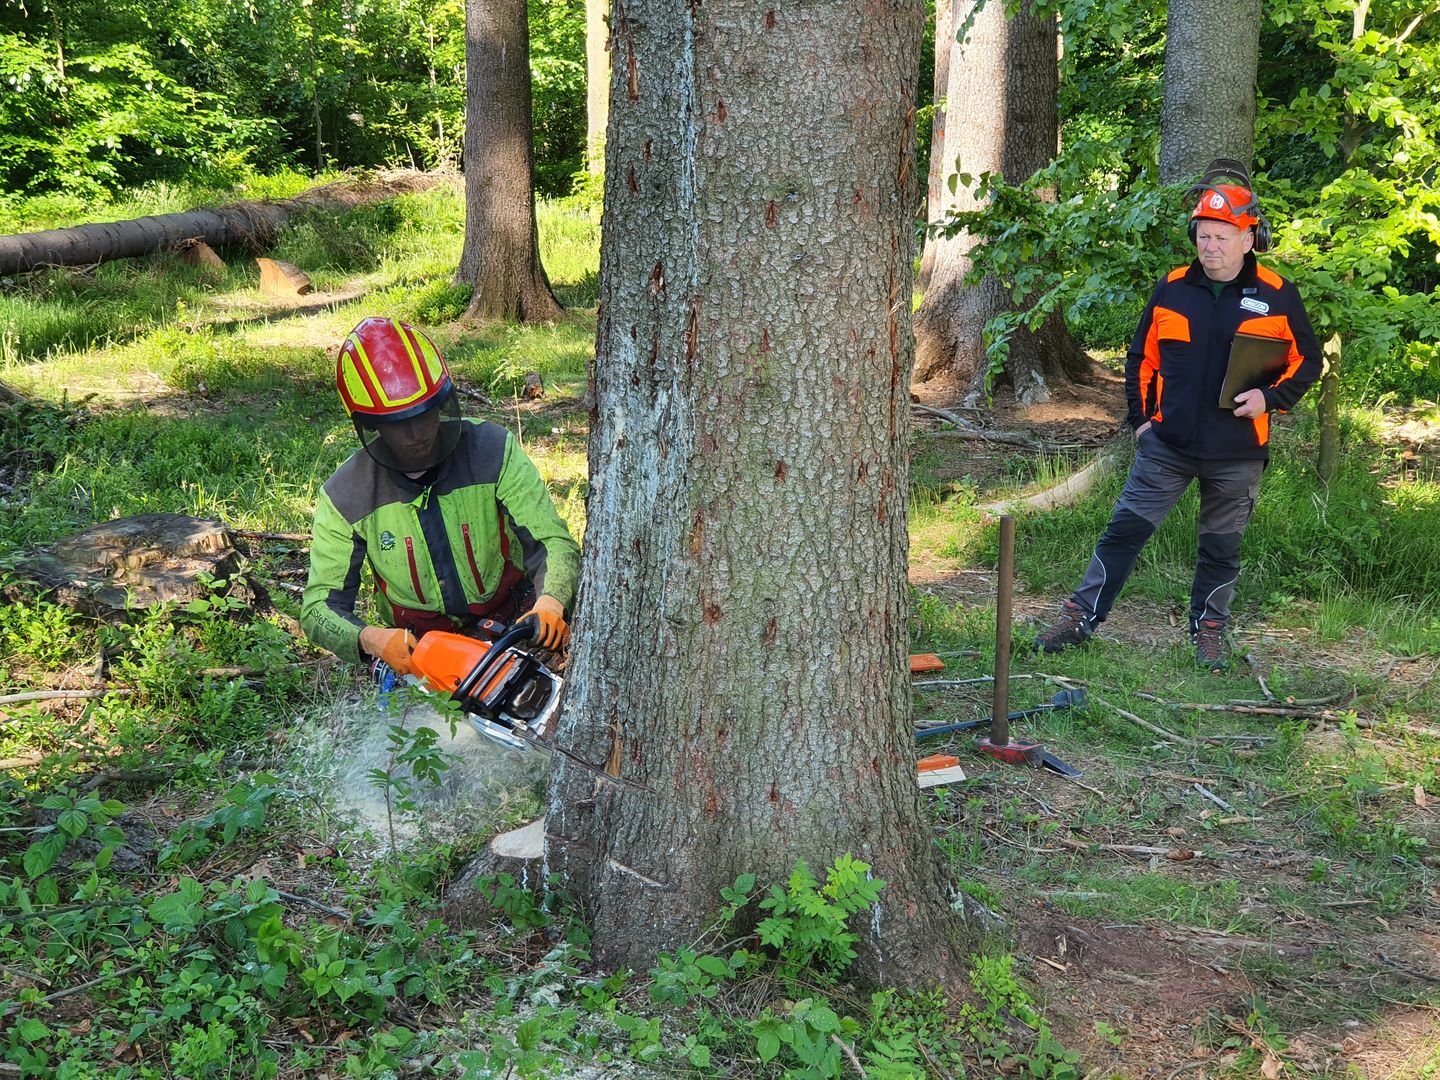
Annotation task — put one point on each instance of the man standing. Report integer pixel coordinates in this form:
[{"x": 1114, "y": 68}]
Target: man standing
[
  {"x": 450, "y": 514},
  {"x": 1173, "y": 376}
]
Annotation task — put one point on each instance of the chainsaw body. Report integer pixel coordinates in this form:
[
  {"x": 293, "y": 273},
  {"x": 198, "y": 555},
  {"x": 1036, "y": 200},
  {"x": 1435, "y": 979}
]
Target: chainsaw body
[{"x": 510, "y": 697}]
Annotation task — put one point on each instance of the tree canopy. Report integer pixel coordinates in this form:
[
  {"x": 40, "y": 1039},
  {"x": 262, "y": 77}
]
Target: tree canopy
[{"x": 1344, "y": 164}]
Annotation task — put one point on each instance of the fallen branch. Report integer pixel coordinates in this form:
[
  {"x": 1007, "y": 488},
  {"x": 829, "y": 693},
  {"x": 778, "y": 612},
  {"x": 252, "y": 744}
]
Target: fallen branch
[
  {"x": 75, "y": 989},
  {"x": 965, "y": 429},
  {"x": 1297, "y": 711},
  {"x": 849, "y": 1053},
  {"x": 1246, "y": 710},
  {"x": 63, "y": 695},
  {"x": 941, "y": 684},
  {"x": 1154, "y": 729},
  {"x": 1221, "y": 803},
  {"x": 1173, "y": 854},
  {"x": 1255, "y": 670},
  {"x": 316, "y": 904},
  {"x": 39, "y": 980}
]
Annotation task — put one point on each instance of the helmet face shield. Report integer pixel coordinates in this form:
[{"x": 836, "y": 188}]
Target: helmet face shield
[{"x": 415, "y": 444}]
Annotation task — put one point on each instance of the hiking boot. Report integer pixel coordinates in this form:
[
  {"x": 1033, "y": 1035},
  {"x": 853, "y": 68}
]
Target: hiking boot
[
  {"x": 1074, "y": 627},
  {"x": 1208, "y": 637}
]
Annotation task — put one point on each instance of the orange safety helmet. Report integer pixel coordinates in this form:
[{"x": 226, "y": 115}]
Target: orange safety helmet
[
  {"x": 1226, "y": 195},
  {"x": 391, "y": 378}
]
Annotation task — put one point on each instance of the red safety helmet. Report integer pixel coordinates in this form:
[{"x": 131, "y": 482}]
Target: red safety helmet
[
  {"x": 1226, "y": 195},
  {"x": 397, "y": 391},
  {"x": 1227, "y": 202}
]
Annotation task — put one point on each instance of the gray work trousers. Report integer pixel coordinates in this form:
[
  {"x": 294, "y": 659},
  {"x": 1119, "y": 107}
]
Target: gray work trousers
[{"x": 1158, "y": 477}]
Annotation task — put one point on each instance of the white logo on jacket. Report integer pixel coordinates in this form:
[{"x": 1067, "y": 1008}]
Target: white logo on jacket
[{"x": 1249, "y": 303}]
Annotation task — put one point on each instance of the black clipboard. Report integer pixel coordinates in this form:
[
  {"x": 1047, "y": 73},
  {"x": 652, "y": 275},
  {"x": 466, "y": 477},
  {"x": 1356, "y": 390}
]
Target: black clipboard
[{"x": 1254, "y": 362}]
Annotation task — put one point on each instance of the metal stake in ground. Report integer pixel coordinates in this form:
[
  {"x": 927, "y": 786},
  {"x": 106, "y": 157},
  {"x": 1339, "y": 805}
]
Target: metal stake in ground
[
  {"x": 999, "y": 745},
  {"x": 1000, "y": 705}
]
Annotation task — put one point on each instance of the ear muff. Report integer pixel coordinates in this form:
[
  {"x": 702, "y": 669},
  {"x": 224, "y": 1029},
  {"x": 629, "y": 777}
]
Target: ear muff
[{"x": 1262, "y": 233}]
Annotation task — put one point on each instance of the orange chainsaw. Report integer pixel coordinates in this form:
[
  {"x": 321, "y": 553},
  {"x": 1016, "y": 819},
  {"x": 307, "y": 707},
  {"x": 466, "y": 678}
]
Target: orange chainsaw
[{"x": 508, "y": 694}]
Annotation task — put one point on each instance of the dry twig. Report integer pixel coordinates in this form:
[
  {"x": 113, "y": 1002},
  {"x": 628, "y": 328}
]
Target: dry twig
[{"x": 1154, "y": 729}]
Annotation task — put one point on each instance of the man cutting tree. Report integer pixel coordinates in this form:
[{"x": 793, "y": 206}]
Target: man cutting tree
[{"x": 450, "y": 514}]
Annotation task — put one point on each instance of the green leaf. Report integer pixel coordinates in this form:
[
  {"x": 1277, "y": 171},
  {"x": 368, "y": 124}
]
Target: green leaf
[
  {"x": 73, "y": 822},
  {"x": 767, "y": 1044},
  {"x": 181, "y": 910},
  {"x": 41, "y": 855},
  {"x": 713, "y": 965}
]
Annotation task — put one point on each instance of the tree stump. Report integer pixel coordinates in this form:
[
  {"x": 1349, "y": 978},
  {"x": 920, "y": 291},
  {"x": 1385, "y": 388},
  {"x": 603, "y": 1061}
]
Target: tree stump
[
  {"x": 198, "y": 253},
  {"x": 136, "y": 562},
  {"x": 519, "y": 853},
  {"x": 282, "y": 278}
]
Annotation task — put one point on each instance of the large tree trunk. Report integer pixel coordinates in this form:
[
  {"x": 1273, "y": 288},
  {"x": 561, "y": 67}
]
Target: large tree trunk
[
  {"x": 501, "y": 257},
  {"x": 597, "y": 82},
  {"x": 742, "y": 636},
  {"x": 251, "y": 223},
  {"x": 939, "y": 168},
  {"x": 1211, "y": 49},
  {"x": 1006, "y": 74}
]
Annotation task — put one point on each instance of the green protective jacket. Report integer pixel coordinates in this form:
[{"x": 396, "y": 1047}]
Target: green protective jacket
[{"x": 454, "y": 547}]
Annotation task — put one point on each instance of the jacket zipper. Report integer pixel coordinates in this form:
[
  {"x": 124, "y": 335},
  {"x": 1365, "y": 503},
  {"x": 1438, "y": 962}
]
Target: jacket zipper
[
  {"x": 414, "y": 568},
  {"x": 470, "y": 555}
]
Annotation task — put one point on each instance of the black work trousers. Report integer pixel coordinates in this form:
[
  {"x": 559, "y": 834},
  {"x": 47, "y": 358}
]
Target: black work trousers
[{"x": 1158, "y": 477}]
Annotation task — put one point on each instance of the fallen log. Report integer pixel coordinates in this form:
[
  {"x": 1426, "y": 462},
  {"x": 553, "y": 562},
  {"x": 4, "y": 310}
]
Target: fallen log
[
  {"x": 1074, "y": 487},
  {"x": 253, "y": 223}
]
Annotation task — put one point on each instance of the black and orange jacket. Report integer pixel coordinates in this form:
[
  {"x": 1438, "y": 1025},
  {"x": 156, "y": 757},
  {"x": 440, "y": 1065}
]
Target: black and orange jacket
[{"x": 1177, "y": 361}]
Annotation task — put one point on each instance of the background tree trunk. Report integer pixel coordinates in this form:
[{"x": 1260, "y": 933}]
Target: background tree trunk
[
  {"x": 597, "y": 82},
  {"x": 939, "y": 168},
  {"x": 1007, "y": 75},
  {"x": 1211, "y": 49},
  {"x": 501, "y": 257},
  {"x": 742, "y": 637}
]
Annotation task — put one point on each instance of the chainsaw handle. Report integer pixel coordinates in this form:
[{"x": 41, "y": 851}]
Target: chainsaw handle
[{"x": 524, "y": 630}]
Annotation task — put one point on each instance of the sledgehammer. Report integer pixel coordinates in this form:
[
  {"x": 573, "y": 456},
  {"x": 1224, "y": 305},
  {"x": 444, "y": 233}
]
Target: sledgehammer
[{"x": 999, "y": 745}]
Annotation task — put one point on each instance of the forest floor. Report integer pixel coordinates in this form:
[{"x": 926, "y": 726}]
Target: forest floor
[
  {"x": 1224, "y": 941},
  {"x": 1266, "y": 901}
]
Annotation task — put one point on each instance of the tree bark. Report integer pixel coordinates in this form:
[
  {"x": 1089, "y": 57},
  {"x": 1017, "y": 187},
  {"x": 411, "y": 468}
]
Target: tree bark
[
  {"x": 251, "y": 223},
  {"x": 1211, "y": 51},
  {"x": 501, "y": 257},
  {"x": 742, "y": 639},
  {"x": 939, "y": 168},
  {"x": 597, "y": 82},
  {"x": 1006, "y": 73}
]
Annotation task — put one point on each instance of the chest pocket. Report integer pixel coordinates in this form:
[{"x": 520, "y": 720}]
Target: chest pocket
[{"x": 397, "y": 565}]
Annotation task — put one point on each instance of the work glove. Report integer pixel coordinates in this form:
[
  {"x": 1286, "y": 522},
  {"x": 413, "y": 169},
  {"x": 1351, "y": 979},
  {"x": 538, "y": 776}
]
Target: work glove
[
  {"x": 550, "y": 615},
  {"x": 391, "y": 646}
]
